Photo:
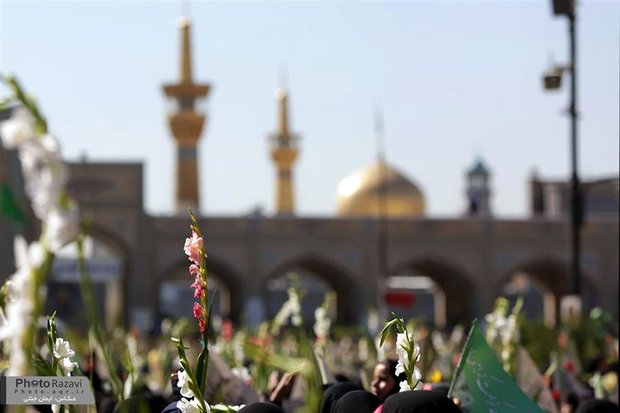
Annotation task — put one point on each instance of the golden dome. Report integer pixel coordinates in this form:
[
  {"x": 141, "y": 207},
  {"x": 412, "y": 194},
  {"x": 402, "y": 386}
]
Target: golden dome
[{"x": 359, "y": 194}]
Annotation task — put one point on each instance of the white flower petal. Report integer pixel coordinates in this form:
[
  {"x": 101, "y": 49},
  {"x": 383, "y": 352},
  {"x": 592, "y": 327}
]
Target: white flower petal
[
  {"x": 61, "y": 227},
  {"x": 404, "y": 386},
  {"x": 183, "y": 384},
  {"x": 18, "y": 129}
]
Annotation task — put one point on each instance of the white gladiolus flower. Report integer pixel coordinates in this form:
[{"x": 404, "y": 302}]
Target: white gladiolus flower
[
  {"x": 12, "y": 332},
  {"x": 417, "y": 375},
  {"x": 63, "y": 352},
  {"x": 45, "y": 174},
  {"x": 183, "y": 384},
  {"x": 503, "y": 331},
  {"x": 291, "y": 308},
  {"x": 438, "y": 343},
  {"x": 20, "y": 303},
  {"x": 226, "y": 408},
  {"x": 18, "y": 311},
  {"x": 457, "y": 335},
  {"x": 18, "y": 364},
  {"x": 404, "y": 386},
  {"x": 408, "y": 352},
  {"x": 18, "y": 129},
  {"x": 61, "y": 227},
  {"x": 128, "y": 386},
  {"x": 243, "y": 373},
  {"x": 416, "y": 352},
  {"x": 402, "y": 347},
  {"x": 320, "y": 313},
  {"x": 322, "y": 324},
  {"x": 62, "y": 349},
  {"x": 402, "y": 341},
  {"x": 28, "y": 257},
  {"x": 191, "y": 406},
  {"x": 68, "y": 366},
  {"x": 281, "y": 317},
  {"x": 295, "y": 307}
]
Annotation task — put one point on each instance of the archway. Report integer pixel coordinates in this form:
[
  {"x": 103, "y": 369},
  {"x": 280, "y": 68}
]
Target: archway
[
  {"x": 542, "y": 282},
  {"x": 415, "y": 295},
  {"x": 432, "y": 289},
  {"x": 175, "y": 296},
  {"x": 316, "y": 277},
  {"x": 106, "y": 268},
  {"x": 539, "y": 302}
]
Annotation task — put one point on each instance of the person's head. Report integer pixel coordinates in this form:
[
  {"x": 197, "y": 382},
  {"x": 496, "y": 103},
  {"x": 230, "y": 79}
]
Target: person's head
[
  {"x": 335, "y": 392},
  {"x": 358, "y": 401},
  {"x": 419, "y": 401},
  {"x": 384, "y": 379},
  {"x": 569, "y": 402}
]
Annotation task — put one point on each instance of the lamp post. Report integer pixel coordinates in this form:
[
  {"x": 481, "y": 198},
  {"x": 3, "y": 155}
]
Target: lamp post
[{"x": 552, "y": 80}]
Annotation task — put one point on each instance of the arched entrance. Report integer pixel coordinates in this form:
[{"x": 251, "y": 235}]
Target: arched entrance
[
  {"x": 542, "y": 282},
  {"x": 176, "y": 297},
  {"x": 538, "y": 300},
  {"x": 439, "y": 293},
  {"x": 316, "y": 277},
  {"x": 105, "y": 265}
]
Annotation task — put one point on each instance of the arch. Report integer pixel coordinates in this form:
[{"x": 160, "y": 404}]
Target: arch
[
  {"x": 115, "y": 243},
  {"x": 553, "y": 274},
  {"x": 111, "y": 240},
  {"x": 225, "y": 275},
  {"x": 456, "y": 285},
  {"x": 332, "y": 274},
  {"x": 112, "y": 309}
]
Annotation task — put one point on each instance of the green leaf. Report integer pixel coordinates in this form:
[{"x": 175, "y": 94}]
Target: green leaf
[
  {"x": 42, "y": 366},
  {"x": 209, "y": 313},
  {"x": 97, "y": 329},
  {"x": 29, "y": 103},
  {"x": 9, "y": 206},
  {"x": 386, "y": 330},
  {"x": 3, "y": 292},
  {"x": 51, "y": 338},
  {"x": 262, "y": 355},
  {"x": 202, "y": 362}
]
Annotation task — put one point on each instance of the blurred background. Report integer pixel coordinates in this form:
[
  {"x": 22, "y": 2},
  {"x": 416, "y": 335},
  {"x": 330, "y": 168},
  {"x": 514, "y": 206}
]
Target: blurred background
[{"x": 409, "y": 156}]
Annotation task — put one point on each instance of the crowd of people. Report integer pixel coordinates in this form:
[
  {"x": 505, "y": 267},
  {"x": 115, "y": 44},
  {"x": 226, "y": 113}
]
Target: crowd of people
[{"x": 344, "y": 395}]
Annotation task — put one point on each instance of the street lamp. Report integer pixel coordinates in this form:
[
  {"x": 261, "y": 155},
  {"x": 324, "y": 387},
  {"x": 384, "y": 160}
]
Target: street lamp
[{"x": 552, "y": 80}]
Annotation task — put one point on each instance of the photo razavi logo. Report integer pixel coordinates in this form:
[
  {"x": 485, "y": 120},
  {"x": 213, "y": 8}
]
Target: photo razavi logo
[{"x": 46, "y": 390}]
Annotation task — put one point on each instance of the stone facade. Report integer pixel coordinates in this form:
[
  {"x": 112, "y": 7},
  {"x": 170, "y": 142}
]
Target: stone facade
[{"x": 469, "y": 258}]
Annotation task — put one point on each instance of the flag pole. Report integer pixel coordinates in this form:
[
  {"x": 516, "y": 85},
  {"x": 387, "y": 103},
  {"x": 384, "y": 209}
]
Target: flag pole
[{"x": 464, "y": 354}]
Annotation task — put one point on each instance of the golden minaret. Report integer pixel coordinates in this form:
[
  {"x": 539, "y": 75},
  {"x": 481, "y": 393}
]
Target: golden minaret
[
  {"x": 186, "y": 124},
  {"x": 284, "y": 153}
]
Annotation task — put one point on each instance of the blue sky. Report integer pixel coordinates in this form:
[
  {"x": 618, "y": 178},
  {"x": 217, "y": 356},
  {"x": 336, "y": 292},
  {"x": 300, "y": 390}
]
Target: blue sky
[{"x": 455, "y": 79}]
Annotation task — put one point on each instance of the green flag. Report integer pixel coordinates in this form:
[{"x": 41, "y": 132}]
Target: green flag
[
  {"x": 8, "y": 205},
  {"x": 482, "y": 385}
]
